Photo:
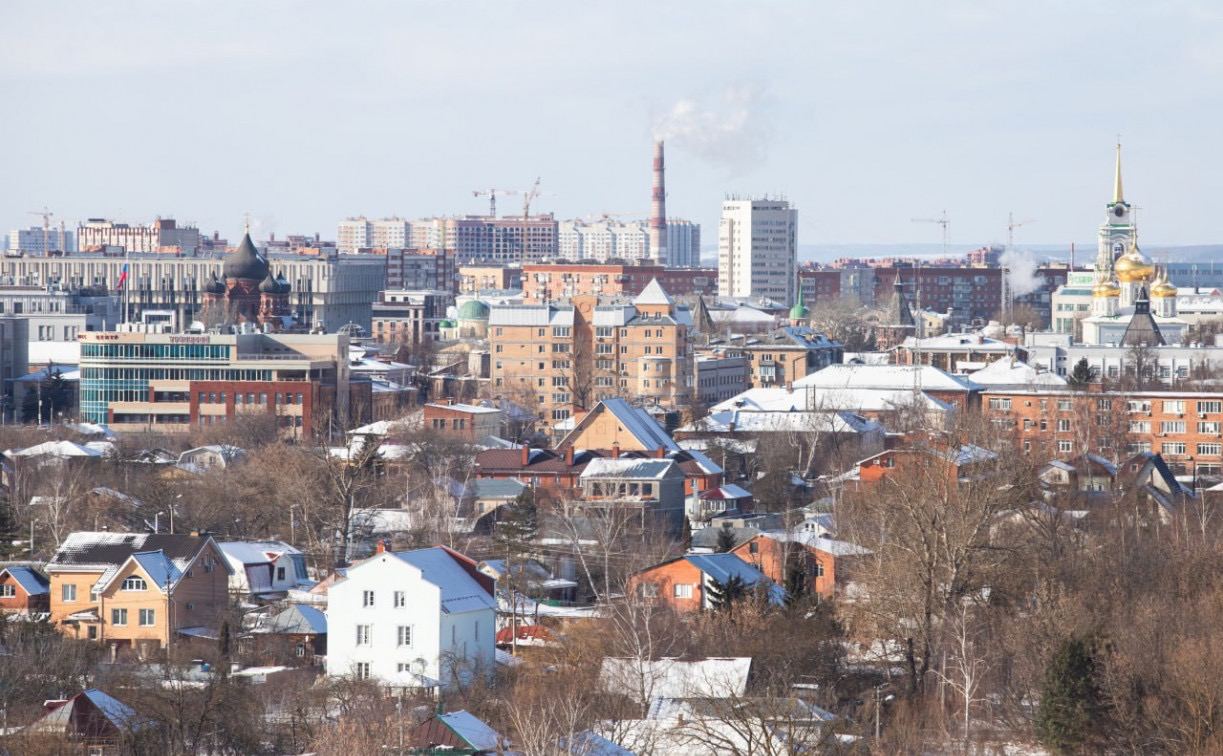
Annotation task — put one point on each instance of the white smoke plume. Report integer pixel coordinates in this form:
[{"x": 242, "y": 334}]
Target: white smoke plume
[
  {"x": 728, "y": 133},
  {"x": 1020, "y": 270}
]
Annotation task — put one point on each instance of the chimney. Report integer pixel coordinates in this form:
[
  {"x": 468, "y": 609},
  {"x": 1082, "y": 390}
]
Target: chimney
[
  {"x": 526, "y": 455},
  {"x": 569, "y": 455},
  {"x": 615, "y": 450},
  {"x": 660, "y": 452},
  {"x": 658, "y": 209},
  {"x": 380, "y": 548}
]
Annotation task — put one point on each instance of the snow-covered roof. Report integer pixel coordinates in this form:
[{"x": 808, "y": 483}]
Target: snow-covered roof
[
  {"x": 530, "y": 315},
  {"x": 296, "y": 620},
  {"x": 727, "y": 492},
  {"x": 816, "y": 541},
  {"x": 255, "y": 552},
  {"x": 772, "y": 399},
  {"x": 929, "y": 378},
  {"x": 472, "y": 730},
  {"x": 635, "y": 420},
  {"x": 459, "y": 590},
  {"x": 58, "y": 352},
  {"x": 55, "y": 449},
  {"x": 713, "y": 677},
  {"x": 654, "y": 294},
  {"x": 64, "y": 719},
  {"x": 957, "y": 342},
  {"x": 1012, "y": 372},
  {"x": 628, "y": 467},
  {"x": 783, "y": 422},
  {"x": 723, "y": 567},
  {"x": 707, "y": 465}
]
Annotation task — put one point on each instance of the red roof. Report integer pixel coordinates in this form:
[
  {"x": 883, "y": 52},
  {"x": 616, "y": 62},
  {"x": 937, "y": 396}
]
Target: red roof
[{"x": 537, "y": 633}]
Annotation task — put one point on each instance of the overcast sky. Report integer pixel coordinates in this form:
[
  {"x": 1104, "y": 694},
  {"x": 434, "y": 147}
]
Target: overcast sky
[{"x": 865, "y": 115}]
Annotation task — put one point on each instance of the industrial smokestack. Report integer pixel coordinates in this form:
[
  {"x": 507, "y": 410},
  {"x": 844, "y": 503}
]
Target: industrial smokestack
[{"x": 658, "y": 209}]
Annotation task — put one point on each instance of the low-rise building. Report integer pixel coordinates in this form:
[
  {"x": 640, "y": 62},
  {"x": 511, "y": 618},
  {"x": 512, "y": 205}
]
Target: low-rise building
[
  {"x": 684, "y": 583},
  {"x": 718, "y": 376},
  {"x": 785, "y": 355},
  {"x": 412, "y": 619},
  {"x": 401, "y": 317},
  {"x": 468, "y": 422},
  {"x": 823, "y": 565},
  {"x": 24, "y": 589},
  {"x": 649, "y": 493},
  {"x": 265, "y": 570}
]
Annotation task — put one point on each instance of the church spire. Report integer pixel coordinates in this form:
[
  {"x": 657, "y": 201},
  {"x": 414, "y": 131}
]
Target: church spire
[{"x": 1118, "y": 194}]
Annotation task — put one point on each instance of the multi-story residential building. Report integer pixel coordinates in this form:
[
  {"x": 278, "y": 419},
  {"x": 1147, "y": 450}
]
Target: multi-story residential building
[
  {"x": 606, "y": 240},
  {"x": 172, "y": 382},
  {"x": 557, "y": 281},
  {"x": 717, "y": 377},
  {"x": 554, "y": 357},
  {"x": 420, "y": 269},
  {"x": 412, "y": 619},
  {"x": 358, "y": 233},
  {"x": 138, "y": 591},
  {"x": 328, "y": 291},
  {"x": 265, "y": 570},
  {"x": 476, "y": 278},
  {"x": 409, "y": 317},
  {"x": 162, "y": 235},
  {"x": 37, "y": 240},
  {"x": 956, "y": 352},
  {"x": 1185, "y": 427},
  {"x": 481, "y": 238},
  {"x": 758, "y": 249},
  {"x": 647, "y": 493},
  {"x": 973, "y": 293},
  {"x": 14, "y": 358},
  {"x": 822, "y": 285},
  {"x": 780, "y": 357}
]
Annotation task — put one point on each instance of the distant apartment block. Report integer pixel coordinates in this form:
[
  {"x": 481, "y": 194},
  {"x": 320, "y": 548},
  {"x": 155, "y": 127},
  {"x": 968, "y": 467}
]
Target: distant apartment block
[
  {"x": 37, "y": 240},
  {"x": 162, "y": 235},
  {"x": 758, "y": 249},
  {"x": 420, "y": 269},
  {"x": 353, "y": 234},
  {"x": 550, "y": 282},
  {"x": 480, "y": 238},
  {"x": 477, "y": 278},
  {"x": 405, "y": 317},
  {"x": 608, "y": 239}
]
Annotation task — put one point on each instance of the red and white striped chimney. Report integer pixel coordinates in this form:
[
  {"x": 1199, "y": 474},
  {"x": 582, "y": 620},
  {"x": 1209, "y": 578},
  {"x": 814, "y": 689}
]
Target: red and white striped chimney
[{"x": 658, "y": 209}]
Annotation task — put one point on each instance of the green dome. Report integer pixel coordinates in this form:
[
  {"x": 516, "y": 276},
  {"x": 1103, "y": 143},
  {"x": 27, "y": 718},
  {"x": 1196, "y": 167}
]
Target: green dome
[
  {"x": 446, "y": 324},
  {"x": 799, "y": 311},
  {"x": 473, "y": 309}
]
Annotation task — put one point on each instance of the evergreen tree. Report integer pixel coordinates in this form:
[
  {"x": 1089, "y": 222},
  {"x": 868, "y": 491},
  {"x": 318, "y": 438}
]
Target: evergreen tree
[
  {"x": 1070, "y": 703},
  {"x": 797, "y": 579},
  {"x": 722, "y": 596},
  {"x": 726, "y": 540},
  {"x": 55, "y": 395},
  {"x": 1080, "y": 375}
]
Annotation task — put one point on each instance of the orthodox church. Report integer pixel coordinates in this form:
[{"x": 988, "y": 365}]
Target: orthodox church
[
  {"x": 249, "y": 293},
  {"x": 1132, "y": 302}
]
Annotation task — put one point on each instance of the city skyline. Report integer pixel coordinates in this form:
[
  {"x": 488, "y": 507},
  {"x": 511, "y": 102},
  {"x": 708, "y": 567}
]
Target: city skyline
[{"x": 862, "y": 118}]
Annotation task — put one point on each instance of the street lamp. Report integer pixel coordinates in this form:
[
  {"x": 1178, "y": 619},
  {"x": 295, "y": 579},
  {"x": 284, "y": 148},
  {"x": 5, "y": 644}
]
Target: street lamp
[{"x": 157, "y": 522}]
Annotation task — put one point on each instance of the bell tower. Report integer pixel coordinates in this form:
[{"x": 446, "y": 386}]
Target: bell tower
[{"x": 1117, "y": 232}]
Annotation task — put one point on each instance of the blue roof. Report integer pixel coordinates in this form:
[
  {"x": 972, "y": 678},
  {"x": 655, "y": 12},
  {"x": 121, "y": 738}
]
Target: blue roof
[
  {"x": 120, "y": 714},
  {"x": 722, "y": 567},
  {"x": 299, "y": 620},
  {"x": 159, "y": 569},
  {"x": 497, "y": 488},
  {"x": 33, "y": 582}
]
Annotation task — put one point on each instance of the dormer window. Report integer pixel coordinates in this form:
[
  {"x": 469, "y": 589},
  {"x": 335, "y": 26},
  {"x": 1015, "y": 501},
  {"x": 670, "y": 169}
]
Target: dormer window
[{"x": 135, "y": 583}]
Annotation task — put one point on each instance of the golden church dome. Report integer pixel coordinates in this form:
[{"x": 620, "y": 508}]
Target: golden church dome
[
  {"x": 1134, "y": 267},
  {"x": 1106, "y": 289},
  {"x": 1163, "y": 287}
]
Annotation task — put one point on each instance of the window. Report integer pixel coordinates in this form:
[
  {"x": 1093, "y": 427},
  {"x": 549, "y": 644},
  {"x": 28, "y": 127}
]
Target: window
[
  {"x": 135, "y": 583},
  {"x": 367, "y": 599},
  {"x": 1065, "y": 447},
  {"x": 8, "y": 590},
  {"x": 999, "y": 404},
  {"x": 118, "y": 617},
  {"x": 360, "y": 670},
  {"x": 68, "y": 592},
  {"x": 1143, "y": 426},
  {"x": 405, "y": 635},
  {"x": 147, "y": 617},
  {"x": 1064, "y": 405},
  {"x": 1063, "y": 425},
  {"x": 1174, "y": 407},
  {"x": 399, "y": 599},
  {"x": 1210, "y": 450},
  {"x": 280, "y": 573},
  {"x": 363, "y": 632},
  {"x": 1211, "y": 427},
  {"x": 683, "y": 590},
  {"x": 1212, "y": 406},
  {"x": 1174, "y": 447},
  {"x": 1104, "y": 404},
  {"x": 1139, "y": 406},
  {"x": 1172, "y": 426}
]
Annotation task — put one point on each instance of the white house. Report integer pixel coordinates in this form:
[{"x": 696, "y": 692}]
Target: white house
[
  {"x": 412, "y": 619},
  {"x": 264, "y": 568}
]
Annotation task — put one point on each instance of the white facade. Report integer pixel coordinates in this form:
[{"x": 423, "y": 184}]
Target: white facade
[
  {"x": 97, "y": 233},
  {"x": 410, "y": 619},
  {"x": 627, "y": 240},
  {"x": 384, "y": 233},
  {"x": 260, "y": 567},
  {"x": 31, "y": 240},
  {"x": 758, "y": 249}
]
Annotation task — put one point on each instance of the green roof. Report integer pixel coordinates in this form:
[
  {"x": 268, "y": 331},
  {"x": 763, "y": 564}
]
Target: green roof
[
  {"x": 799, "y": 311},
  {"x": 473, "y": 309}
]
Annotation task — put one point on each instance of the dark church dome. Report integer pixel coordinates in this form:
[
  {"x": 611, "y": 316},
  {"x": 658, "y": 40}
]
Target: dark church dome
[
  {"x": 268, "y": 286},
  {"x": 246, "y": 262},
  {"x": 284, "y": 285},
  {"x": 214, "y": 285}
]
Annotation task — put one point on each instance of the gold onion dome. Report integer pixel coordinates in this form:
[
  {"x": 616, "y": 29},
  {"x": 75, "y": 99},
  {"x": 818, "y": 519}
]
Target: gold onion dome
[
  {"x": 1163, "y": 288},
  {"x": 1134, "y": 267},
  {"x": 1106, "y": 289}
]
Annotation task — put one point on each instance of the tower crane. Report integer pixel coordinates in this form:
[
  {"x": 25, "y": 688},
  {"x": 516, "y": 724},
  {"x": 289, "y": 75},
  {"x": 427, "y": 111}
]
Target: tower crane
[
  {"x": 943, "y": 221},
  {"x": 47, "y": 215},
  {"x": 527, "y": 197},
  {"x": 1011, "y": 225},
  {"x": 492, "y": 197}
]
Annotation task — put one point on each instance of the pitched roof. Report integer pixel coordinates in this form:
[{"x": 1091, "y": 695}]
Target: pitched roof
[
  {"x": 634, "y": 420},
  {"x": 109, "y": 551},
  {"x": 929, "y": 378},
  {"x": 628, "y": 467},
  {"x": 475, "y": 732},
  {"x": 723, "y": 567},
  {"x": 158, "y": 567},
  {"x": 33, "y": 582},
  {"x": 298, "y": 619},
  {"x": 669, "y": 677},
  {"x": 1142, "y": 329},
  {"x": 255, "y": 552},
  {"x": 460, "y": 592},
  {"x": 90, "y": 713},
  {"x": 654, "y": 294}
]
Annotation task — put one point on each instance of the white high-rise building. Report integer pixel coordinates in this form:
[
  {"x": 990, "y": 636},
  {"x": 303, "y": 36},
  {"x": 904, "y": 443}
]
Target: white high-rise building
[
  {"x": 31, "y": 240},
  {"x": 758, "y": 249},
  {"x": 683, "y": 243},
  {"x": 627, "y": 240},
  {"x": 362, "y": 233}
]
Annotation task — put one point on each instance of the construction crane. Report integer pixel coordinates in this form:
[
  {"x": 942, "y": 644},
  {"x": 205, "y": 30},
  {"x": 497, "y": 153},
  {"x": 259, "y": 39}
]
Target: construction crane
[
  {"x": 943, "y": 221},
  {"x": 492, "y": 197},
  {"x": 1011, "y": 225},
  {"x": 47, "y": 215},
  {"x": 528, "y": 197}
]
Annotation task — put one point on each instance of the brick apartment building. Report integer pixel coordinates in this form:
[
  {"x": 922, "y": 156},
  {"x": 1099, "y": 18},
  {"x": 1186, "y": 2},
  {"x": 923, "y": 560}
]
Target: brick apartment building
[
  {"x": 553, "y": 282},
  {"x": 974, "y": 293},
  {"x": 1186, "y": 428},
  {"x": 403, "y": 316},
  {"x": 473, "y": 279},
  {"x": 420, "y": 269},
  {"x": 554, "y": 357}
]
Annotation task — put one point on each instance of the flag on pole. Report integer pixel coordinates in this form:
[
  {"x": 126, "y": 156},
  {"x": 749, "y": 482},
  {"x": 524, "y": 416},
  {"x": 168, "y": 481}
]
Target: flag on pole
[{"x": 122, "y": 277}]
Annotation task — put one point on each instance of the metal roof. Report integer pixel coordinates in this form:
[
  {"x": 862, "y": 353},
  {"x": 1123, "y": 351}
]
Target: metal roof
[{"x": 654, "y": 469}]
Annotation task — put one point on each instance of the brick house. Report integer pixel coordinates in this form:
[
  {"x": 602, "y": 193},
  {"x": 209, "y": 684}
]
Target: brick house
[
  {"x": 825, "y": 562},
  {"x": 138, "y": 591},
  {"x": 24, "y": 590},
  {"x": 468, "y": 422},
  {"x": 683, "y": 583}
]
